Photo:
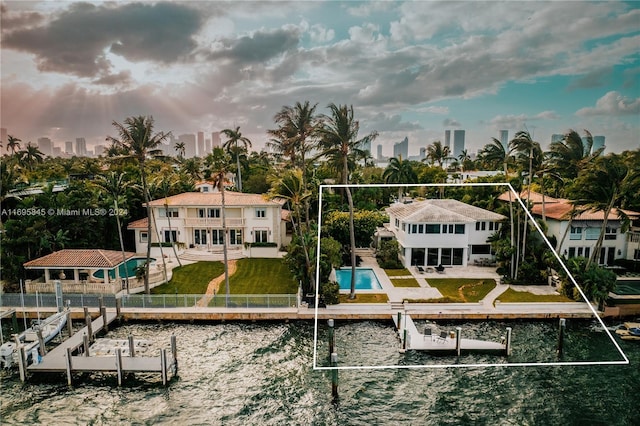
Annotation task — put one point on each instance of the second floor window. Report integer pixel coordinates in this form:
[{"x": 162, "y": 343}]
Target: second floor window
[{"x": 261, "y": 212}]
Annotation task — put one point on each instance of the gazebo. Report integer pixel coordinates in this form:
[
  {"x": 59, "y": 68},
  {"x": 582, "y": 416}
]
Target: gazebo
[{"x": 89, "y": 270}]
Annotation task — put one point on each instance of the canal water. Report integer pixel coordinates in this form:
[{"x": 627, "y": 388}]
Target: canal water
[{"x": 261, "y": 374}]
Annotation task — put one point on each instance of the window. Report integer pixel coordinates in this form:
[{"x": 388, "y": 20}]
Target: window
[
  {"x": 398, "y": 223},
  {"x": 445, "y": 256},
  {"x": 260, "y": 236},
  {"x": 235, "y": 235},
  {"x": 576, "y": 233},
  {"x": 414, "y": 228},
  {"x": 636, "y": 254},
  {"x": 170, "y": 236},
  {"x": 200, "y": 236},
  {"x": 477, "y": 226},
  {"x": 457, "y": 256},
  {"x": 171, "y": 212},
  {"x": 432, "y": 229},
  {"x": 432, "y": 257},
  {"x": 481, "y": 249},
  {"x": 205, "y": 189},
  {"x": 610, "y": 233},
  {"x": 261, "y": 212},
  {"x": 459, "y": 229},
  {"x": 572, "y": 252},
  {"x": 421, "y": 229},
  {"x": 490, "y": 226},
  {"x": 213, "y": 212},
  {"x": 592, "y": 233},
  {"x": 403, "y": 226},
  {"x": 217, "y": 237},
  {"x": 483, "y": 226},
  {"x": 587, "y": 252},
  {"x": 447, "y": 229},
  {"x": 144, "y": 237}
]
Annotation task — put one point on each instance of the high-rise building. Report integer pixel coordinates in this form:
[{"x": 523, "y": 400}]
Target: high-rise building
[
  {"x": 68, "y": 147},
  {"x": 215, "y": 140},
  {"x": 98, "y": 150},
  {"x": 598, "y": 142},
  {"x": 45, "y": 146},
  {"x": 189, "y": 141},
  {"x": 401, "y": 149},
  {"x": 504, "y": 139},
  {"x": 57, "y": 151},
  {"x": 3, "y": 136},
  {"x": 458, "y": 143},
  {"x": 201, "y": 144},
  {"x": 379, "y": 156},
  {"x": 447, "y": 138},
  {"x": 81, "y": 147},
  {"x": 423, "y": 153}
]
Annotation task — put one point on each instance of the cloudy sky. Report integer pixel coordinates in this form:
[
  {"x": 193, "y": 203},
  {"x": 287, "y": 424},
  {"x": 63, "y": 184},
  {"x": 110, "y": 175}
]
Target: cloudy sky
[{"x": 68, "y": 69}]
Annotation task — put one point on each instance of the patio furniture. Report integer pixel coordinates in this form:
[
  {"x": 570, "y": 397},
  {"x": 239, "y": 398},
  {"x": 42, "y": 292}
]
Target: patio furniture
[
  {"x": 440, "y": 269},
  {"x": 443, "y": 336},
  {"x": 420, "y": 269},
  {"x": 427, "y": 333}
]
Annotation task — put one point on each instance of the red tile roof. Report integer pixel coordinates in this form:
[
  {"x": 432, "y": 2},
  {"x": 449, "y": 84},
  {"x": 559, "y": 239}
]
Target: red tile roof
[
  {"x": 215, "y": 199},
  {"x": 79, "y": 258},
  {"x": 140, "y": 223}
]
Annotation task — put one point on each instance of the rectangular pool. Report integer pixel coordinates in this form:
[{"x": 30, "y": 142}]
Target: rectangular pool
[{"x": 366, "y": 279}]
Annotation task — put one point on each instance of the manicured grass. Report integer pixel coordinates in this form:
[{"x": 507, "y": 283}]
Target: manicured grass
[
  {"x": 397, "y": 272},
  {"x": 514, "y": 296},
  {"x": 261, "y": 276},
  {"x": 404, "y": 282},
  {"x": 365, "y": 298},
  {"x": 463, "y": 290},
  {"x": 191, "y": 279}
]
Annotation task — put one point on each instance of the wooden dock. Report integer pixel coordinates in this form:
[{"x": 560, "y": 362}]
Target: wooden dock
[
  {"x": 73, "y": 356},
  {"x": 441, "y": 341}
]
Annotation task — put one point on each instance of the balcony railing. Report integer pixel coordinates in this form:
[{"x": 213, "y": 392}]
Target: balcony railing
[{"x": 210, "y": 222}]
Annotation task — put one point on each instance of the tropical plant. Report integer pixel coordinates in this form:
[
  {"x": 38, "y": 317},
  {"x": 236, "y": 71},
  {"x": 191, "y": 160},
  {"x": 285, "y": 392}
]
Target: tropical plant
[
  {"x": 220, "y": 166},
  {"x": 30, "y": 156},
  {"x": 136, "y": 138},
  {"x": 399, "y": 171},
  {"x": 437, "y": 153},
  {"x": 232, "y": 145},
  {"x": 569, "y": 155},
  {"x": 180, "y": 149},
  {"x": 13, "y": 144}
]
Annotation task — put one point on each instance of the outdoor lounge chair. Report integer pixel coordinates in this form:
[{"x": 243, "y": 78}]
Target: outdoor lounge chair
[
  {"x": 440, "y": 269},
  {"x": 420, "y": 269},
  {"x": 443, "y": 336},
  {"x": 427, "y": 333}
]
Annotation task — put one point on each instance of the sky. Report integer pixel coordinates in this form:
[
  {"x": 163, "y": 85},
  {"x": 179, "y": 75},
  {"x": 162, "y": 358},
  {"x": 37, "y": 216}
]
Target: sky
[{"x": 414, "y": 69}]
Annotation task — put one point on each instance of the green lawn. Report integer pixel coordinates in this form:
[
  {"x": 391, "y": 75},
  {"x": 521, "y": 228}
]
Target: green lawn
[
  {"x": 514, "y": 296},
  {"x": 365, "y": 298},
  {"x": 397, "y": 272},
  {"x": 463, "y": 290},
  {"x": 261, "y": 276},
  {"x": 404, "y": 282},
  {"x": 191, "y": 279}
]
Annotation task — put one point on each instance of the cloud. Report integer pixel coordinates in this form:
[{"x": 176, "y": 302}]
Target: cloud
[
  {"x": 546, "y": 115},
  {"x": 18, "y": 19},
  {"x": 74, "y": 41},
  {"x": 122, "y": 78},
  {"x": 319, "y": 34},
  {"x": 259, "y": 47},
  {"x": 450, "y": 122},
  {"x": 590, "y": 80},
  {"x": 390, "y": 123},
  {"x": 612, "y": 103}
]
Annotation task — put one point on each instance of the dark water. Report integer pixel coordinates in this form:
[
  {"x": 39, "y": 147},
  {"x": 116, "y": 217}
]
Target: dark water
[{"x": 256, "y": 374}]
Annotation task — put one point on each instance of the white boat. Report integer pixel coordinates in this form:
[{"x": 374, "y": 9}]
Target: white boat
[
  {"x": 49, "y": 327},
  {"x": 623, "y": 330},
  {"x": 632, "y": 334}
]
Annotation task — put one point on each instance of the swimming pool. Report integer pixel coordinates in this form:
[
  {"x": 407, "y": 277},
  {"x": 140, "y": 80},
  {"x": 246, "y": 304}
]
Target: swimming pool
[
  {"x": 130, "y": 266},
  {"x": 366, "y": 279},
  {"x": 627, "y": 287}
]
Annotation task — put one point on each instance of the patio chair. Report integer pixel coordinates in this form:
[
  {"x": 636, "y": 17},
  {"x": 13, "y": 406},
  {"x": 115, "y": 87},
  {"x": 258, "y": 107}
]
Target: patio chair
[
  {"x": 443, "y": 336},
  {"x": 427, "y": 333},
  {"x": 440, "y": 269},
  {"x": 420, "y": 269}
]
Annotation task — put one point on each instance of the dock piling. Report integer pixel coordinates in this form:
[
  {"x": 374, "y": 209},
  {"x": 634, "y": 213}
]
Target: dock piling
[
  {"x": 562, "y": 327},
  {"x": 399, "y": 320},
  {"x": 508, "y": 342},
  {"x": 42, "y": 350},
  {"x": 69, "y": 323},
  {"x": 132, "y": 350},
  {"x": 85, "y": 343},
  {"x": 22, "y": 360},
  {"x": 174, "y": 353},
  {"x": 69, "y": 366},
  {"x": 163, "y": 365},
  {"x": 119, "y": 365},
  {"x": 87, "y": 320},
  {"x": 334, "y": 376},
  {"x": 103, "y": 312},
  {"x": 118, "y": 307},
  {"x": 332, "y": 337},
  {"x": 458, "y": 339}
]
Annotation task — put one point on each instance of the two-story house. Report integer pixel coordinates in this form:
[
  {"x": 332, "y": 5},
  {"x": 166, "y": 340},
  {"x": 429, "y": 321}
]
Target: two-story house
[
  {"x": 193, "y": 220},
  {"x": 442, "y": 232},
  {"x": 579, "y": 234}
]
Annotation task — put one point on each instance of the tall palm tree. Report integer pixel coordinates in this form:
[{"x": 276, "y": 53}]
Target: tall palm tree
[
  {"x": 13, "y": 144},
  {"x": 496, "y": 154},
  {"x": 604, "y": 183},
  {"x": 180, "y": 149},
  {"x": 30, "y": 156},
  {"x": 569, "y": 155},
  {"x": 235, "y": 139},
  {"x": 339, "y": 141},
  {"x": 437, "y": 153},
  {"x": 136, "y": 137},
  {"x": 290, "y": 186},
  {"x": 399, "y": 171},
  {"x": 115, "y": 185}
]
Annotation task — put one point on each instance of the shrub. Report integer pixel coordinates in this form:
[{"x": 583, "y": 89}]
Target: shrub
[{"x": 330, "y": 292}]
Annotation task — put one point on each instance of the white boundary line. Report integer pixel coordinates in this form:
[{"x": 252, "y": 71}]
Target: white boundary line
[{"x": 625, "y": 361}]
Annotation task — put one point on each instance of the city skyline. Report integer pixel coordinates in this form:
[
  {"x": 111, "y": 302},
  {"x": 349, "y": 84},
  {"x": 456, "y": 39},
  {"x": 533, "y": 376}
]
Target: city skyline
[{"x": 409, "y": 69}]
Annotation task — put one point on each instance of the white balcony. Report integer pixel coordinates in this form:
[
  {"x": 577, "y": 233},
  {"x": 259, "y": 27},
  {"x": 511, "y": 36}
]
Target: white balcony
[{"x": 210, "y": 222}]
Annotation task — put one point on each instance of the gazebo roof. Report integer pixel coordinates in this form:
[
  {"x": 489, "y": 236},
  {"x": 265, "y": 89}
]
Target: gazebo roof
[{"x": 79, "y": 258}]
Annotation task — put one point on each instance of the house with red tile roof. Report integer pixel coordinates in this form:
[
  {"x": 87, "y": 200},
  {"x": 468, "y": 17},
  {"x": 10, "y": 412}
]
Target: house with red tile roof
[{"x": 584, "y": 229}]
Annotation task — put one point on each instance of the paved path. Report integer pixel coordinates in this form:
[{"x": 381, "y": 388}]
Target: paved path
[{"x": 214, "y": 284}]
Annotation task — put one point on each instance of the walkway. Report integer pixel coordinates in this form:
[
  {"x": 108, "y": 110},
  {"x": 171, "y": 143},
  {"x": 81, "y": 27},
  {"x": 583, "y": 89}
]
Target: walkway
[{"x": 214, "y": 284}]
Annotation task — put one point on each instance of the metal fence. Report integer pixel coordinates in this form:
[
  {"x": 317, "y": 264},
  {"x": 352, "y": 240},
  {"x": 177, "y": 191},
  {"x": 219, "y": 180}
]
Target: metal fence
[{"x": 153, "y": 301}]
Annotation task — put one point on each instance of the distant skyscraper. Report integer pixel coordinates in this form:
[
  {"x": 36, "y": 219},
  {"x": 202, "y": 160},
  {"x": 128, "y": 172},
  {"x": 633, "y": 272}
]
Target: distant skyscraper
[
  {"x": 81, "y": 147},
  {"x": 68, "y": 147},
  {"x": 189, "y": 141},
  {"x": 379, "y": 156},
  {"x": 215, "y": 140},
  {"x": 201, "y": 144},
  {"x": 401, "y": 149},
  {"x": 45, "y": 146},
  {"x": 98, "y": 150},
  {"x": 423, "y": 153},
  {"x": 3, "y": 136},
  {"x": 458, "y": 142},
  {"x": 57, "y": 151},
  {"x": 598, "y": 142},
  {"x": 504, "y": 138},
  {"x": 447, "y": 138}
]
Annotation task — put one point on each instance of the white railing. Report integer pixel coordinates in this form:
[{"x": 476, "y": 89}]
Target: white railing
[{"x": 209, "y": 222}]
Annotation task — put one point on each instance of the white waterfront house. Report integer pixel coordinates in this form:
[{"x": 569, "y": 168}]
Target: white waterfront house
[
  {"x": 193, "y": 220},
  {"x": 442, "y": 232},
  {"x": 583, "y": 231}
]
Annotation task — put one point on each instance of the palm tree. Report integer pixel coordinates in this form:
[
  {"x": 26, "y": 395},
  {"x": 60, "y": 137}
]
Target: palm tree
[
  {"x": 436, "y": 153},
  {"x": 115, "y": 185},
  {"x": 290, "y": 186},
  {"x": 399, "y": 171},
  {"x": 569, "y": 155},
  {"x": 13, "y": 144},
  {"x": 339, "y": 141},
  {"x": 31, "y": 156},
  {"x": 136, "y": 137},
  {"x": 604, "y": 183},
  {"x": 235, "y": 139},
  {"x": 496, "y": 153},
  {"x": 220, "y": 167},
  {"x": 180, "y": 149}
]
